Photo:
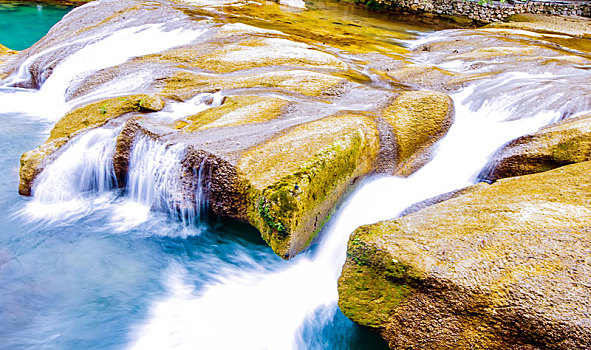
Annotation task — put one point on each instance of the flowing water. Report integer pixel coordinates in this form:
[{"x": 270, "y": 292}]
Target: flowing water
[{"x": 85, "y": 264}]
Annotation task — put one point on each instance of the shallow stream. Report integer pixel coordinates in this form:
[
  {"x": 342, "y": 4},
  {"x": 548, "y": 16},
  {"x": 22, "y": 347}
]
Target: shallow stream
[{"x": 86, "y": 266}]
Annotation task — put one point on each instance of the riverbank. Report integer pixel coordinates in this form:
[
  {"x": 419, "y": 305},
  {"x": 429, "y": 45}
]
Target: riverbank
[{"x": 483, "y": 13}]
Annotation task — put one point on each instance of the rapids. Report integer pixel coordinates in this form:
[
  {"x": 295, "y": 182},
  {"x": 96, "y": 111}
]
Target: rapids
[{"x": 86, "y": 264}]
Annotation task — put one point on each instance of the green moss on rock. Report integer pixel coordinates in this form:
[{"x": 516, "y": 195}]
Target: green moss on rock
[
  {"x": 486, "y": 269},
  {"x": 98, "y": 113},
  {"x": 299, "y": 176},
  {"x": 77, "y": 121}
]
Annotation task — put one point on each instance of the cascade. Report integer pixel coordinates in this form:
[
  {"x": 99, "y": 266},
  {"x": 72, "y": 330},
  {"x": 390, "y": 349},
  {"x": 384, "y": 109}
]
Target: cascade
[
  {"x": 307, "y": 287},
  {"x": 49, "y": 102},
  {"x": 263, "y": 303},
  {"x": 79, "y": 178},
  {"x": 155, "y": 181}
]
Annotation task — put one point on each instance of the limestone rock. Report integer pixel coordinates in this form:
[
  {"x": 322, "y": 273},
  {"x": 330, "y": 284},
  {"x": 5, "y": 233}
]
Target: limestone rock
[
  {"x": 573, "y": 26},
  {"x": 98, "y": 113},
  {"x": 77, "y": 121},
  {"x": 501, "y": 266},
  {"x": 5, "y": 55},
  {"x": 418, "y": 120},
  {"x": 566, "y": 142},
  {"x": 285, "y": 186},
  {"x": 32, "y": 163},
  {"x": 301, "y": 175},
  {"x": 6, "y": 51},
  {"x": 237, "y": 110},
  {"x": 183, "y": 85}
]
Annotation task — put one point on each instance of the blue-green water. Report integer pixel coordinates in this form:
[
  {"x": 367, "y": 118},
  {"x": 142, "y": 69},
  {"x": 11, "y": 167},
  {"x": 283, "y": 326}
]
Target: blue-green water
[
  {"x": 22, "y": 25},
  {"x": 77, "y": 284},
  {"x": 80, "y": 283}
]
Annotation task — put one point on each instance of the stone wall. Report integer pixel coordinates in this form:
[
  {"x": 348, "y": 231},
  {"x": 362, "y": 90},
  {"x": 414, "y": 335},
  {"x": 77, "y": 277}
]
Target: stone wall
[{"x": 483, "y": 13}]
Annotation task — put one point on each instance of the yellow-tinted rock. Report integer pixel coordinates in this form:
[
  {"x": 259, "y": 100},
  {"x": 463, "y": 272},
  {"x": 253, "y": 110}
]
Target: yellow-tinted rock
[
  {"x": 573, "y": 26},
  {"x": 501, "y": 266},
  {"x": 299, "y": 176},
  {"x": 5, "y": 54},
  {"x": 4, "y": 50},
  {"x": 98, "y": 113},
  {"x": 422, "y": 75},
  {"x": 494, "y": 52},
  {"x": 265, "y": 52},
  {"x": 566, "y": 142},
  {"x": 79, "y": 120},
  {"x": 364, "y": 33},
  {"x": 418, "y": 120},
  {"x": 236, "y": 110},
  {"x": 185, "y": 85},
  {"x": 31, "y": 163}
]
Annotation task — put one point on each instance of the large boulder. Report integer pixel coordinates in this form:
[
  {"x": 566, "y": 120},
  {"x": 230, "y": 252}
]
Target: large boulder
[
  {"x": 566, "y": 142},
  {"x": 501, "y": 266},
  {"x": 300, "y": 176},
  {"x": 277, "y": 126},
  {"x": 284, "y": 185}
]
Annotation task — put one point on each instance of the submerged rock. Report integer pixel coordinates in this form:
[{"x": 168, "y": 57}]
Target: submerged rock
[
  {"x": 501, "y": 266},
  {"x": 566, "y": 142}
]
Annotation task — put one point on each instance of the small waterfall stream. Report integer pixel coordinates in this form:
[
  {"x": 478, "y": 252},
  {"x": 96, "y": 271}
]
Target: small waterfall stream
[
  {"x": 306, "y": 289},
  {"x": 142, "y": 263},
  {"x": 99, "y": 51}
]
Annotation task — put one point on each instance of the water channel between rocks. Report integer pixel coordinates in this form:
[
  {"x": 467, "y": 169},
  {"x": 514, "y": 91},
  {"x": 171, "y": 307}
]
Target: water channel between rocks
[{"x": 85, "y": 264}]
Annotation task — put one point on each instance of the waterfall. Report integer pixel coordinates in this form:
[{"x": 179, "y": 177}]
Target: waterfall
[
  {"x": 249, "y": 302},
  {"x": 306, "y": 288},
  {"x": 81, "y": 180},
  {"x": 81, "y": 175},
  {"x": 155, "y": 182},
  {"x": 99, "y": 51}
]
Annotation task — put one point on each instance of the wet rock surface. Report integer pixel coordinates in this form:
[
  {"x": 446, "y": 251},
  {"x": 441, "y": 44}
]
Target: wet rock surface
[
  {"x": 253, "y": 86},
  {"x": 559, "y": 144},
  {"x": 281, "y": 124},
  {"x": 502, "y": 266},
  {"x": 418, "y": 119},
  {"x": 281, "y": 112}
]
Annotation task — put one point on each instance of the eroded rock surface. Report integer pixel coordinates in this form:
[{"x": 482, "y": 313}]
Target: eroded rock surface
[
  {"x": 279, "y": 126},
  {"x": 566, "y": 142},
  {"x": 501, "y": 266},
  {"x": 418, "y": 119},
  {"x": 282, "y": 121}
]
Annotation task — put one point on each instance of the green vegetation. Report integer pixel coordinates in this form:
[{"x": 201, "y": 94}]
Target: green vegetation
[{"x": 264, "y": 212}]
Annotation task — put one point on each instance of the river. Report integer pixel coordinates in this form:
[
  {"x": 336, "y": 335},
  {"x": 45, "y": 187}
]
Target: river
[{"x": 84, "y": 265}]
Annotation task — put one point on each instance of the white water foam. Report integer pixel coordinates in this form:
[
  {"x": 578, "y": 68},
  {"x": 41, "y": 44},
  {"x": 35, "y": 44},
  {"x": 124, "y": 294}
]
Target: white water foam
[
  {"x": 49, "y": 102},
  {"x": 178, "y": 110},
  {"x": 80, "y": 179},
  {"x": 247, "y": 308},
  {"x": 155, "y": 182}
]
